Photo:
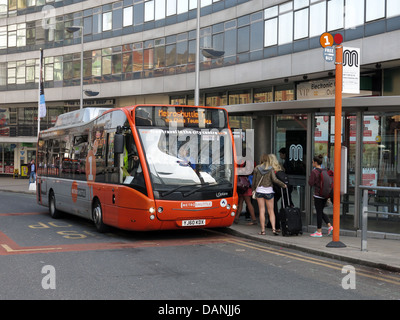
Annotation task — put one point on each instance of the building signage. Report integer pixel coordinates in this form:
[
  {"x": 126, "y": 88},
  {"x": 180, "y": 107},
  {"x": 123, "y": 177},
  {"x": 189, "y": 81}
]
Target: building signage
[
  {"x": 351, "y": 70},
  {"x": 322, "y": 89}
]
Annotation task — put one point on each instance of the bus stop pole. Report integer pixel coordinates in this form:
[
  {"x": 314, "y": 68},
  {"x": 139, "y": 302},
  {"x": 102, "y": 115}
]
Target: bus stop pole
[{"x": 335, "y": 243}]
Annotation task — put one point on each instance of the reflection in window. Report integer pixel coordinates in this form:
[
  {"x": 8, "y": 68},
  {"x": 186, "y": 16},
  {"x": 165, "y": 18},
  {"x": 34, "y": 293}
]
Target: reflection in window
[{"x": 317, "y": 19}]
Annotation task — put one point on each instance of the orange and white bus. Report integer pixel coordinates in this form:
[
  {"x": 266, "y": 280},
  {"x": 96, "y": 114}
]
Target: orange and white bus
[{"x": 144, "y": 167}]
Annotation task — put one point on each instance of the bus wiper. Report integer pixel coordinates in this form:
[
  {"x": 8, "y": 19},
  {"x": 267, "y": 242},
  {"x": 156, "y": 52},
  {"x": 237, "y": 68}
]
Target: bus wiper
[
  {"x": 163, "y": 194},
  {"x": 205, "y": 186}
]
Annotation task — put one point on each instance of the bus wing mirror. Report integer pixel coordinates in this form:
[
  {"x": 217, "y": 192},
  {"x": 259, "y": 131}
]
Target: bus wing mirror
[{"x": 119, "y": 143}]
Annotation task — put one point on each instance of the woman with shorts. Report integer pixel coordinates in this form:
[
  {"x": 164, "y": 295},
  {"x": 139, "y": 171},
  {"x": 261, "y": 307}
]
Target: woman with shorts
[{"x": 263, "y": 180}]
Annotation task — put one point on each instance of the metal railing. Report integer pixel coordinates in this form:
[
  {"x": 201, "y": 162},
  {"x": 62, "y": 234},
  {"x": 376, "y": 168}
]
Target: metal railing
[{"x": 365, "y": 211}]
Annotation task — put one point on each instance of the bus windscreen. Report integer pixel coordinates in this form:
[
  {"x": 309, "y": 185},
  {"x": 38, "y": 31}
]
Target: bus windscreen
[{"x": 187, "y": 149}]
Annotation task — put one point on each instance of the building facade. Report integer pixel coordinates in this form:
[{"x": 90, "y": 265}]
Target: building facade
[{"x": 272, "y": 78}]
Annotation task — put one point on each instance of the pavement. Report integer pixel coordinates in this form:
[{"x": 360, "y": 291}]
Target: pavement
[{"x": 381, "y": 253}]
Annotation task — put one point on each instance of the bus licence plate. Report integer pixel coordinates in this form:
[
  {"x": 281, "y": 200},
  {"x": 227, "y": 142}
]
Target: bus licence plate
[{"x": 190, "y": 223}]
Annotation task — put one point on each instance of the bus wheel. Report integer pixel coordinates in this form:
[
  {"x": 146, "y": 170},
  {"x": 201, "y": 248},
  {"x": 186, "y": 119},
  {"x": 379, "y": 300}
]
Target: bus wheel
[
  {"x": 97, "y": 215},
  {"x": 54, "y": 213}
]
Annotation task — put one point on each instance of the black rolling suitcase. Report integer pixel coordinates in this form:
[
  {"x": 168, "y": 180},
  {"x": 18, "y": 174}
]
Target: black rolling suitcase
[{"x": 290, "y": 217}]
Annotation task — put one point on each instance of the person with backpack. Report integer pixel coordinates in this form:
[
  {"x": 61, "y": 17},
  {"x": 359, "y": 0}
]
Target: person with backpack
[
  {"x": 322, "y": 183},
  {"x": 244, "y": 192}
]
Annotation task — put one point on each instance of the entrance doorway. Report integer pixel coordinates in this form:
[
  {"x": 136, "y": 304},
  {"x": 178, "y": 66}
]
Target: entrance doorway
[{"x": 291, "y": 150}]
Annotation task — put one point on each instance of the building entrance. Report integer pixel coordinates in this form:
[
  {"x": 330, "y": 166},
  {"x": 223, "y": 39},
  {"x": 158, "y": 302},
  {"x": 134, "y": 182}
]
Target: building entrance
[{"x": 291, "y": 149}]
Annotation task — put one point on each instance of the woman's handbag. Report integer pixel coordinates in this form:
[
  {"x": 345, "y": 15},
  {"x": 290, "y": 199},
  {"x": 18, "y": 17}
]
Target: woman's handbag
[{"x": 253, "y": 194}]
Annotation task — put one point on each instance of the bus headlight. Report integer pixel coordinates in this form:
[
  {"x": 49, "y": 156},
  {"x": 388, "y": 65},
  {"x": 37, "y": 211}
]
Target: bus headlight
[
  {"x": 234, "y": 207},
  {"x": 232, "y": 213},
  {"x": 152, "y": 210},
  {"x": 152, "y": 217}
]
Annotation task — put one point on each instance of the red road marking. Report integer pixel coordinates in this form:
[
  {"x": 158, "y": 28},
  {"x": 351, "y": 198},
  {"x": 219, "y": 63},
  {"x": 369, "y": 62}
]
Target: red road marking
[
  {"x": 21, "y": 214},
  {"x": 10, "y": 247}
]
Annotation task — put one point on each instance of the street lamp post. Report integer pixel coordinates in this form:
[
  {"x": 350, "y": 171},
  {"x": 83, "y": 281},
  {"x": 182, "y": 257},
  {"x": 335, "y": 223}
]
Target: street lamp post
[
  {"x": 89, "y": 93},
  {"x": 197, "y": 62},
  {"x": 207, "y": 52},
  {"x": 72, "y": 30}
]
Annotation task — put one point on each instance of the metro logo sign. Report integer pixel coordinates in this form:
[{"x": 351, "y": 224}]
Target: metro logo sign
[{"x": 351, "y": 70}]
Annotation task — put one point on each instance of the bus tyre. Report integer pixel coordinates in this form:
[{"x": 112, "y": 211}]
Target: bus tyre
[
  {"x": 97, "y": 215},
  {"x": 54, "y": 213}
]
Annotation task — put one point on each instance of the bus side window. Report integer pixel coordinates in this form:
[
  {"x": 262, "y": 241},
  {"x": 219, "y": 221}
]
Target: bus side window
[
  {"x": 131, "y": 166},
  {"x": 112, "y": 171},
  {"x": 79, "y": 156},
  {"x": 53, "y": 165}
]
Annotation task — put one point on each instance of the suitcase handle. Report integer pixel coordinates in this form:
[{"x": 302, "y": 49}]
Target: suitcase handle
[{"x": 287, "y": 194}]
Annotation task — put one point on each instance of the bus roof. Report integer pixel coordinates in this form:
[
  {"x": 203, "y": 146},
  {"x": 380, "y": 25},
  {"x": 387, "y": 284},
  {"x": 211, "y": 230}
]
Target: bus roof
[{"x": 79, "y": 116}]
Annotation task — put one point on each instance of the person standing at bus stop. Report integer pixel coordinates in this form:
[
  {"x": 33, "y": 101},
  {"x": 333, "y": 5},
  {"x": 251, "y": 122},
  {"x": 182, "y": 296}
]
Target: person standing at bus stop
[
  {"x": 319, "y": 202},
  {"x": 263, "y": 179}
]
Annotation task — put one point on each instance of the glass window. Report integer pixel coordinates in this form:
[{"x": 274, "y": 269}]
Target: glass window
[
  {"x": 107, "y": 21},
  {"x": 20, "y": 72},
  {"x": 284, "y": 93},
  {"x": 263, "y": 95},
  {"x": 230, "y": 42},
  {"x": 87, "y": 25},
  {"x": 159, "y": 9},
  {"x": 58, "y": 68},
  {"x": 301, "y": 24},
  {"x": 271, "y": 32},
  {"x": 256, "y": 36},
  {"x": 11, "y": 72},
  {"x": 171, "y": 7},
  {"x": 298, "y": 4},
  {"x": 137, "y": 57},
  {"x": 375, "y": 9},
  {"x": 128, "y": 16},
  {"x": 3, "y": 8},
  {"x": 117, "y": 19},
  {"x": 3, "y": 74},
  {"x": 30, "y": 70},
  {"x": 354, "y": 15},
  {"x": 48, "y": 69},
  {"x": 285, "y": 34},
  {"x": 149, "y": 11},
  {"x": 97, "y": 25},
  {"x": 240, "y": 97},
  {"x": 392, "y": 8},
  {"x": 335, "y": 14},
  {"x": 21, "y": 35},
  {"x": 317, "y": 19},
  {"x": 116, "y": 63},
  {"x": 96, "y": 63},
  {"x": 106, "y": 61},
  {"x": 243, "y": 39},
  {"x": 182, "y": 6},
  {"x": 12, "y": 35},
  {"x": 3, "y": 37},
  {"x": 271, "y": 12}
]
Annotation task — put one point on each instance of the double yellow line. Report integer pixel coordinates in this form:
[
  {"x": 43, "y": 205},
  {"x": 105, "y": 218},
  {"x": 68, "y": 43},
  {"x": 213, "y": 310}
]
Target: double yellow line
[{"x": 324, "y": 263}]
